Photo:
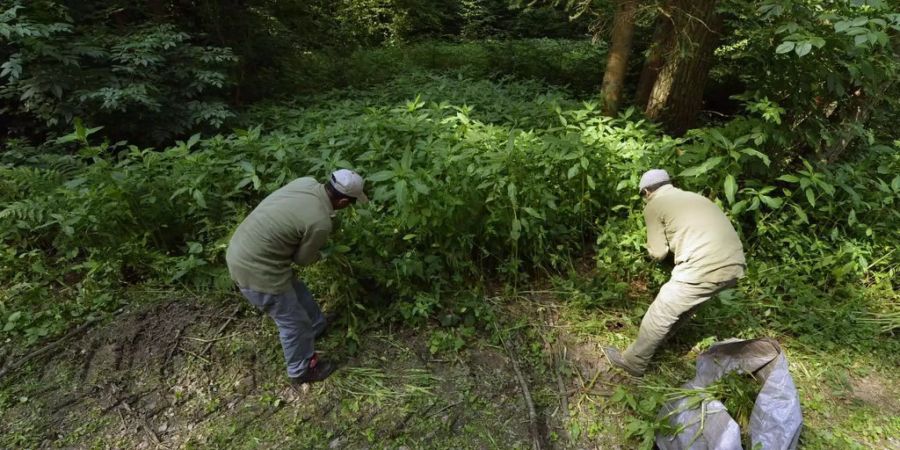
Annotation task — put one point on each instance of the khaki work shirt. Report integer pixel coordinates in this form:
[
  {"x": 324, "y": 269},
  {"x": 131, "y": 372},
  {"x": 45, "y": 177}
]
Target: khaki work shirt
[{"x": 705, "y": 245}]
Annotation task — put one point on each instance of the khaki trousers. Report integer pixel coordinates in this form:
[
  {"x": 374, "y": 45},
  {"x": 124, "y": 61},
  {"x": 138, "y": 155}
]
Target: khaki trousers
[{"x": 675, "y": 303}]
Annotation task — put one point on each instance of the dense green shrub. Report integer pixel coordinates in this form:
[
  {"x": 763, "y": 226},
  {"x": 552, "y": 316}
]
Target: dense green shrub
[
  {"x": 829, "y": 68},
  {"x": 469, "y": 179},
  {"x": 577, "y": 64},
  {"x": 148, "y": 83}
]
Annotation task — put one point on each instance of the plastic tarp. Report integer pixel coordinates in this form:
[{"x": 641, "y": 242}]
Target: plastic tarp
[{"x": 775, "y": 421}]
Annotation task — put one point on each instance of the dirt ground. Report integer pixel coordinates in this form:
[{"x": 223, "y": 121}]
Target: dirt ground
[
  {"x": 182, "y": 374},
  {"x": 201, "y": 374}
]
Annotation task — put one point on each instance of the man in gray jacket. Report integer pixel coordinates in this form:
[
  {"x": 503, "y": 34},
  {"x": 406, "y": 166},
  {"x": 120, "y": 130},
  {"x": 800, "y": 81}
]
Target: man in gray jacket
[
  {"x": 708, "y": 259},
  {"x": 289, "y": 227}
]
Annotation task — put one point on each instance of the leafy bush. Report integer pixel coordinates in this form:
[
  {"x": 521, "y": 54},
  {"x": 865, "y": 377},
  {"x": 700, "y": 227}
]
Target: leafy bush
[
  {"x": 148, "y": 84},
  {"x": 470, "y": 180},
  {"x": 830, "y": 68},
  {"x": 457, "y": 194},
  {"x": 577, "y": 64}
]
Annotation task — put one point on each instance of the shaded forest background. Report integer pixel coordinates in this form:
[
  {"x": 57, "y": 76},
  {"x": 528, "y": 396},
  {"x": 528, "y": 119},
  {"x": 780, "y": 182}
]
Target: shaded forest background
[{"x": 502, "y": 142}]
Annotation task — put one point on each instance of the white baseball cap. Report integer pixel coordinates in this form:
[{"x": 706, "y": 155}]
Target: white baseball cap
[
  {"x": 349, "y": 183},
  {"x": 653, "y": 177}
]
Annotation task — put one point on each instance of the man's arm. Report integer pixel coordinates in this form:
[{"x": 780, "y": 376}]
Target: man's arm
[
  {"x": 657, "y": 245},
  {"x": 313, "y": 240}
]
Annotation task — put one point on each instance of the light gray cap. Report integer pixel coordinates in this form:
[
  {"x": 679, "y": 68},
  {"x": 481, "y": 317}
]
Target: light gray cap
[
  {"x": 349, "y": 183},
  {"x": 652, "y": 177}
]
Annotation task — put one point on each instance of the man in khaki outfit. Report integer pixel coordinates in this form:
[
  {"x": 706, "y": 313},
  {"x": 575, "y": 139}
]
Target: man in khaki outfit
[{"x": 708, "y": 259}]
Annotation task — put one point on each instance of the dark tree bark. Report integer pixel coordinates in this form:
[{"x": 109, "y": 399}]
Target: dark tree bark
[
  {"x": 619, "y": 50},
  {"x": 677, "y": 93},
  {"x": 856, "y": 115},
  {"x": 663, "y": 37}
]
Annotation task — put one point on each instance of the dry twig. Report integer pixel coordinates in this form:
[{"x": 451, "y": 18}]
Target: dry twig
[
  {"x": 532, "y": 413},
  {"x": 12, "y": 367},
  {"x": 221, "y": 329}
]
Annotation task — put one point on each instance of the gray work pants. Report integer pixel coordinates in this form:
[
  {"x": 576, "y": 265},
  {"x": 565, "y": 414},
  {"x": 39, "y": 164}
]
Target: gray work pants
[
  {"x": 298, "y": 318},
  {"x": 674, "y": 304}
]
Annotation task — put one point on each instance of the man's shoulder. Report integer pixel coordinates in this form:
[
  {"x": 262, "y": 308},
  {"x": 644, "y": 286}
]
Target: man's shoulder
[
  {"x": 303, "y": 183},
  {"x": 675, "y": 195},
  {"x": 673, "y": 200}
]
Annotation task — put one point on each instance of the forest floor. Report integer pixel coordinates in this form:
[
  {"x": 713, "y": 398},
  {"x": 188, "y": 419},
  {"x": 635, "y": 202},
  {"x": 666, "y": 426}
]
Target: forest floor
[{"x": 183, "y": 372}]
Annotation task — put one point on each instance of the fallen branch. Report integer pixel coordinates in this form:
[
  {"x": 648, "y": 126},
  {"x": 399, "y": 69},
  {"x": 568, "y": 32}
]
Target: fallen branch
[
  {"x": 221, "y": 329},
  {"x": 556, "y": 360},
  {"x": 443, "y": 409},
  {"x": 563, "y": 393},
  {"x": 122, "y": 403},
  {"x": 143, "y": 423},
  {"x": 194, "y": 355},
  {"x": 172, "y": 349},
  {"x": 12, "y": 367},
  {"x": 532, "y": 414},
  {"x": 222, "y": 338},
  {"x": 402, "y": 425}
]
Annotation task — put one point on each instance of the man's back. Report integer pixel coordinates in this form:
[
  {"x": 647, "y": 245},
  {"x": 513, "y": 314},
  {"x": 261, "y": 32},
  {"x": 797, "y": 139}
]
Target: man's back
[
  {"x": 705, "y": 245},
  {"x": 262, "y": 248}
]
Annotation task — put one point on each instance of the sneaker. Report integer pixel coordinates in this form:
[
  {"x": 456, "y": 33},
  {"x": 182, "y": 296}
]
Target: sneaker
[
  {"x": 316, "y": 371},
  {"x": 615, "y": 358}
]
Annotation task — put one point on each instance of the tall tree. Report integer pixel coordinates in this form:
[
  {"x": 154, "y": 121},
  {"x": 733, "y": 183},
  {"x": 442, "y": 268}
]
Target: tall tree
[
  {"x": 660, "y": 46},
  {"x": 677, "y": 93},
  {"x": 619, "y": 51}
]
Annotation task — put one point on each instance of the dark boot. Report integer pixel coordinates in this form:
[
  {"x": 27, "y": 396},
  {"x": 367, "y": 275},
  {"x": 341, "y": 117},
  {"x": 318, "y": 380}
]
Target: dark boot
[
  {"x": 615, "y": 358},
  {"x": 316, "y": 371}
]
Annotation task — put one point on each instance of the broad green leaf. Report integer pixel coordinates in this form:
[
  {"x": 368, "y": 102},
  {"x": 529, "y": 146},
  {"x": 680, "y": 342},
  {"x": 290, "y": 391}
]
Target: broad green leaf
[
  {"x": 67, "y": 138},
  {"x": 178, "y": 192},
  {"x": 702, "y": 168},
  {"x": 773, "y": 203},
  {"x": 199, "y": 198},
  {"x": 801, "y": 214},
  {"x": 789, "y": 178},
  {"x": 512, "y": 192},
  {"x": 400, "y": 191},
  {"x": 420, "y": 187},
  {"x": 531, "y": 211},
  {"x": 803, "y": 48},
  {"x": 384, "y": 175},
  {"x": 516, "y": 230},
  {"x": 811, "y": 197},
  {"x": 730, "y": 188},
  {"x": 784, "y": 47},
  {"x": 194, "y": 139},
  {"x": 754, "y": 204},
  {"x": 758, "y": 154},
  {"x": 860, "y": 21}
]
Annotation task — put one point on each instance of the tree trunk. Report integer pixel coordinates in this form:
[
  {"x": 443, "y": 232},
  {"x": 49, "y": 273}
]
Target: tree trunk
[
  {"x": 677, "y": 93},
  {"x": 617, "y": 61},
  {"x": 663, "y": 37},
  {"x": 860, "y": 108}
]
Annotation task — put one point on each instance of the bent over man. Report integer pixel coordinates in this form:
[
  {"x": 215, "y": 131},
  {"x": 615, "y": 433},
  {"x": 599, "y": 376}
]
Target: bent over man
[
  {"x": 290, "y": 226},
  {"x": 708, "y": 259}
]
